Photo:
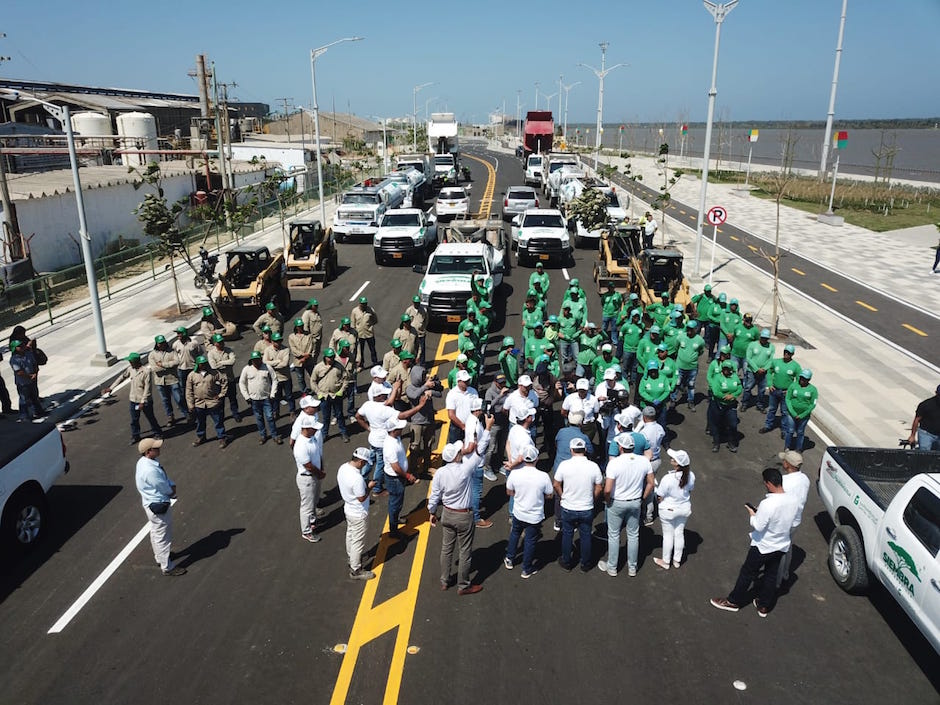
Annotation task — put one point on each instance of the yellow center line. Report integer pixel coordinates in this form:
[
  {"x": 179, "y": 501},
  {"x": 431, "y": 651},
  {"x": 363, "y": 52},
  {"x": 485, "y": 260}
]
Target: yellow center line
[
  {"x": 864, "y": 305},
  {"x": 826, "y": 286},
  {"x": 486, "y": 202},
  {"x": 752, "y": 248},
  {"x": 734, "y": 237},
  {"x": 372, "y": 621},
  {"x": 799, "y": 271},
  {"x": 915, "y": 330},
  {"x": 682, "y": 211}
]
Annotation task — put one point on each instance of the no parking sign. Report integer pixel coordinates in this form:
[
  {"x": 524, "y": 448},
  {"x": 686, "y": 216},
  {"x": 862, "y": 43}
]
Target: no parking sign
[{"x": 716, "y": 215}]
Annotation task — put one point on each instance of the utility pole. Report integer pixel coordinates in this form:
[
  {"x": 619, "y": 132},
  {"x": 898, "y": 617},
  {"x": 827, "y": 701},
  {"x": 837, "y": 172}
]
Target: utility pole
[
  {"x": 227, "y": 134},
  {"x": 567, "y": 88},
  {"x": 832, "y": 95},
  {"x": 286, "y": 102},
  {"x": 518, "y": 115},
  {"x": 223, "y": 170}
]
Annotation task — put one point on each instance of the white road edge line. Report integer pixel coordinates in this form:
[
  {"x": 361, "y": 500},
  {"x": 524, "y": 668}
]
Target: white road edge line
[
  {"x": 564, "y": 270},
  {"x": 359, "y": 291},
  {"x": 98, "y": 582}
]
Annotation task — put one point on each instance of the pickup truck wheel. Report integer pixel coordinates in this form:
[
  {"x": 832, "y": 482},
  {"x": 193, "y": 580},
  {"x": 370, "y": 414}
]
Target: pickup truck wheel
[
  {"x": 24, "y": 520},
  {"x": 847, "y": 560},
  {"x": 378, "y": 258}
]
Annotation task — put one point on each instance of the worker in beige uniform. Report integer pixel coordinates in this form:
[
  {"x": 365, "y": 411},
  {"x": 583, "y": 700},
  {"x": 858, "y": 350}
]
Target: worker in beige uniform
[
  {"x": 345, "y": 332},
  {"x": 277, "y": 357},
  {"x": 222, "y": 358},
  {"x": 313, "y": 324},
  {"x": 406, "y": 334},
  {"x": 419, "y": 322},
  {"x": 328, "y": 382},
  {"x": 209, "y": 325},
  {"x": 205, "y": 391},
  {"x": 258, "y": 385},
  {"x": 364, "y": 320},
  {"x": 188, "y": 350},
  {"x": 300, "y": 344},
  {"x": 264, "y": 342},
  {"x": 164, "y": 363},
  {"x": 270, "y": 318},
  {"x": 391, "y": 360},
  {"x": 140, "y": 394}
]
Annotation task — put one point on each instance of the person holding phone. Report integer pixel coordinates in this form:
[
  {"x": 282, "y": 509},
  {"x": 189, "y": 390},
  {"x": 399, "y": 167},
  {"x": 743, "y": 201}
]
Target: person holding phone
[{"x": 675, "y": 507}]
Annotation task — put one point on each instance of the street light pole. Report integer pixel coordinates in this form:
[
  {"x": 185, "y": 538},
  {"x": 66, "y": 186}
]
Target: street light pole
[
  {"x": 567, "y": 88},
  {"x": 61, "y": 113},
  {"x": 414, "y": 114},
  {"x": 314, "y": 54},
  {"x": 600, "y": 97},
  {"x": 719, "y": 12},
  {"x": 832, "y": 96}
]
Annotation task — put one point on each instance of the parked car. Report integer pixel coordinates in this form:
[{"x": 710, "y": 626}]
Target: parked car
[{"x": 518, "y": 199}]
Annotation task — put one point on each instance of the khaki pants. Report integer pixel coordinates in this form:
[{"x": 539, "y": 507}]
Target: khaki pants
[
  {"x": 309, "y": 487},
  {"x": 355, "y": 540},
  {"x": 456, "y": 529},
  {"x": 161, "y": 537}
]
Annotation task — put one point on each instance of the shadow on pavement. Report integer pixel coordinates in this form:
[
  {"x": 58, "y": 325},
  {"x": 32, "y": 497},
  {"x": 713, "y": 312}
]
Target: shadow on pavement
[
  {"x": 70, "y": 508},
  {"x": 206, "y": 547}
]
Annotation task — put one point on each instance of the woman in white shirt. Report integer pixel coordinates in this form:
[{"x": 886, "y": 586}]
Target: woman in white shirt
[{"x": 675, "y": 507}]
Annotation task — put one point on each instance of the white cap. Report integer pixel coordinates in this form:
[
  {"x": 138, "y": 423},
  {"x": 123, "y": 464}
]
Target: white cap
[
  {"x": 529, "y": 412},
  {"x": 378, "y": 371},
  {"x": 575, "y": 418},
  {"x": 394, "y": 424},
  {"x": 624, "y": 440},
  {"x": 525, "y": 381},
  {"x": 476, "y": 404},
  {"x": 610, "y": 373},
  {"x": 680, "y": 456},
  {"x": 624, "y": 420},
  {"x": 308, "y": 421},
  {"x": 582, "y": 384},
  {"x": 451, "y": 451},
  {"x": 461, "y": 358},
  {"x": 463, "y": 376},
  {"x": 577, "y": 444},
  {"x": 606, "y": 347},
  {"x": 307, "y": 401},
  {"x": 379, "y": 388},
  {"x": 362, "y": 454},
  {"x": 531, "y": 454}
]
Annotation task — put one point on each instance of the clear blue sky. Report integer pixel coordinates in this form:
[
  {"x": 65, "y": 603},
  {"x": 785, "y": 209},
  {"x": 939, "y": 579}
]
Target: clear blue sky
[{"x": 776, "y": 57}]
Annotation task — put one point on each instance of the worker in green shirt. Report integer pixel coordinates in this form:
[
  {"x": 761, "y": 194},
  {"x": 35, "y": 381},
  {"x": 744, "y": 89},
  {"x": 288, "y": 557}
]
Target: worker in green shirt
[
  {"x": 744, "y": 334},
  {"x": 658, "y": 311},
  {"x": 672, "y": 331},
  {"x": 713, "y": 325},
  {"x": 574, "y": 286},
  {"x": 462, "y": 363},
  {"x": 536, "y": 345},
  {"x": 722, "y": 408},
  {"x": 508, "y": 361},
  {"x": 801, "y": 400},
  {"x": 703, "y": 303},
  {"x": 602, "y": 362},
  {"x": 611, "y": 301},
  {"x": 569, "y": 329},
  {"x": 531, "y": 317},
  {"x": 551, "y": 331},
  {"x": 468, "y": 344},
  {"x": 654, "y": 389},
  {"x": 471, "y": 323},
  {"x": 485, "y": 319},
  {"x": 540, "y": 277},
  {"x": 646, "y": 348},
  {"x": 630, "y": 334},
  {"x": 758, "y": 357},
  {"x": 781, "y": 375},
  {"x": 477, "y": 290},
  {"x": 589, "y": 343},
  {"x": 691, "y": 349},
  {"x": 667, "y": 366},
  {"x": 631, "y": 302},
  {"x": 714, "y": 371},
  {"x": 550, "y": 360},
  {"x": 730, "y": 320}
]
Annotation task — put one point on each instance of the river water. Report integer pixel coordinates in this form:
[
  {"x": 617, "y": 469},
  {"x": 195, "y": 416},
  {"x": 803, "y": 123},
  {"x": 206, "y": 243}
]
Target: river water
[{"x": 916, "y": 151}]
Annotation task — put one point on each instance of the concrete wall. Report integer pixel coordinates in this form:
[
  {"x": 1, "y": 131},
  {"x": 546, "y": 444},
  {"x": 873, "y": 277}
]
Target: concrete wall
[{"x": 52, "y": 221}]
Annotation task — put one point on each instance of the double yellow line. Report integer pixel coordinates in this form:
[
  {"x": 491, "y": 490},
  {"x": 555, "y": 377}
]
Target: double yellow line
[{"x": 486, "y": 202}]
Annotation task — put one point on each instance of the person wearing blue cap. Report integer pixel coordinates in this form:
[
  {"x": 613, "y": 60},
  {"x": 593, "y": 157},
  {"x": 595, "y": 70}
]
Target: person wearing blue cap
[
  {"x": 730, "y": 320},
  {"x": 926, "y": 427},
  {"x": 758, "y": 357},
  {"x": 801, "y": 400},
  {"x": 781, "y": 375}
]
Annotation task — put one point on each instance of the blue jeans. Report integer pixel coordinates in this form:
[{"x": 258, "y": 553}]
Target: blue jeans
[
  {"x": 567, "y": 350},
  {"x": 476, "y": 491},
  {"x": 569, "y": 521},
  {"x": 136, "y": 410},
  {"x": 751, "y": 379},
  {"x": 740, "y": 364},
  {"x": 350, "y": 397},
  {"x": 723, "y": 420},
  {"x": 711, "y": 338},
  {"x": 794, "y": 427},
  {"x": 609, "y": 328},
  {"x": 628, "y": 365},
  {"x": 927, "y": 440},
  {"x": 216, "y": 414},
  {"x": 232, "y": 396},
  {"x": 775, "y": 400},
  {"x": 531, "y": 537},
  {"x": 264, "y": 414},
  {"x": 301, "y": 379},
  {"x": 378, "y": 464},
  {"x": 285, "y": 391},
  {"x": 363, "y": 344},
  {"x": 396, "y": 500},
  {"x": 687, "y": 378},
  {"x": 30, "y": 406},
  {"x": 174, "y": 392},
  {"x": 620, "y": 513},
  {"x": 183, "y": 375},
  {"x": 420, "y": 359},
  {"x": 332, "y": 407}
]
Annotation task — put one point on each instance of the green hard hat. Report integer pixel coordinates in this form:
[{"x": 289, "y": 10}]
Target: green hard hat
[
  {"x": 508, "y": 341},
  {"x": 255, "y": 355},
  {"x": 789, "y": 349},
  {"x": 313, "y": 302},
  {"x": 298, "y": 323},
  {"x": 575, "y": 282},
  {"x": 664, "y": 295},
  {"x": 269, "y": 306},
  {"x": 725, "y": 350},
  {"x": 217, "y": 338},
  {"x": 691, "y": 325},
  {"x": 276, "y": 336},
  {"x": 182, "y": 329},
  {"x": 342, "y": 344},
  {"x": 206, "y": 311},
  {"x": 416, "y": 299},
  {"x": 363, "y": 300},
  {"x": 159, "y": 339},
  {"x": 14, "y": 344},
  {"x": 806, "y": 374},
  {"x": 727, "y": 365},
  {"x": 345, "y": 321},
  {"x": 396, "y": 344},
  {"x": 406, "y": 355},
  {"x": 201, "y": 360},
  {"x": 329, "y": 353},
  {"x": 662, "y": 348},
  {"x": 265, "y": 328},
  {"x": 131, "y": 356},
  {"x": 405, "y": 318}
]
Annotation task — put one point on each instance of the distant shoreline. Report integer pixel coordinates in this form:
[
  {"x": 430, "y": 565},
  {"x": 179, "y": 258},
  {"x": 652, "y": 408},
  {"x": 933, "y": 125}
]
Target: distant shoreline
[{"x": 927, "y": 123}]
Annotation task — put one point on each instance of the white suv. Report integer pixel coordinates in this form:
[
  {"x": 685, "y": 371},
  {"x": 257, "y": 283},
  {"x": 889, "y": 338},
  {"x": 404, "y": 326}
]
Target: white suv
[
  {"x": 452, "y": 201},
  {"x": 541, "y": 234},
  {"x": 533, "y": 170}
]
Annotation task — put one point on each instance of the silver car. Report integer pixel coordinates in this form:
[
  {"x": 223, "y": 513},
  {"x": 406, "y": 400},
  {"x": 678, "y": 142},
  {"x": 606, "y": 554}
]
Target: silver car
[{"x": 518, "y": 199}]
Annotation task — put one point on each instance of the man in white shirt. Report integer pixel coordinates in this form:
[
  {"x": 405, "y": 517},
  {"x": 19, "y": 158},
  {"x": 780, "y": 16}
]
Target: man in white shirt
[
  {"x": 529, "y": 487},
  {"x": 795, "y": 483},
  {"x": 772, "y": 522},
  {"x": 518, "y": 439},
  {"x": 582, "y": 400},
  {"x": 449, "y": 505},
  {"x": 355, "y": 493},
  {"x": 395, "y": 459},
  {"x": 520, "y": 401},
  {"x": 630, "y": 480},
  {"x": 374, "y": 416},
  {"x": 457, "y": 404},
  {"x": 308, "y": 456},
  {"x": 578, "y": 482},
  {"x": 157, "y": 492},
  {"x": 607, "y": 391},
  {"x": 473, "y": 433},
  {"x": 309, "y": 406},
  {"x": 654, "y": 434}
]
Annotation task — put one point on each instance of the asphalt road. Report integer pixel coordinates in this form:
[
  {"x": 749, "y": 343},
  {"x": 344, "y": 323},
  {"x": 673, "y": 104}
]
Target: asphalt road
[
  {"x": 909, "y": 328},
  {"x": 263, "y": 616}
]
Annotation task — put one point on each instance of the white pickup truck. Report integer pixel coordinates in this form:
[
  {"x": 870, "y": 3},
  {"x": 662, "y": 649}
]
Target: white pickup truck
[
  {"x": 885, "y": 504},
  {"x": 32, "y": 458},
  {"x": 404, "y": 234}
]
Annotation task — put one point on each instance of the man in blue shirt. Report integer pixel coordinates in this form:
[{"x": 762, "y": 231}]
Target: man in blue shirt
[{"x": 156, "y": 492}]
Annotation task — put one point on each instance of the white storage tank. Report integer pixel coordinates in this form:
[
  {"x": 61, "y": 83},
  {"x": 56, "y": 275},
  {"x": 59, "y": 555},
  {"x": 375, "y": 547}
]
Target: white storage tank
[
  {"x": 137, "y": 131},
  {"x": 92, "y": 123}
]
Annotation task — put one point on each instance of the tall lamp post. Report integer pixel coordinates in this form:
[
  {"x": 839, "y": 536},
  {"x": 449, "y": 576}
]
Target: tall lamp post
[
  {"x": 719, "y": 12},
  {"x": 832, "y": 96},
  {"x": 314, "y": 55},
  {"x": 61, "y": 113},
  {"x": 414, "y": 114},
  {"x": 567, "y": 88},
  {"x": 600, "y": 97}
]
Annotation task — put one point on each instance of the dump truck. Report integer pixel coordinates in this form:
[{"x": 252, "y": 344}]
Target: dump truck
[
  {"x": 253, "y": 277},
  {"x": 312, "y": 260},
  {"x": 645, "y": 272},
  {"x": 539, "y": 132}
]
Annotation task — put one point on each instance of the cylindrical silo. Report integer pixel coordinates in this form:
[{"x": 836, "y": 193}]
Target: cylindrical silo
[
  {"x": 95, "y": 125},
  {"x": 138, "y": 131}
]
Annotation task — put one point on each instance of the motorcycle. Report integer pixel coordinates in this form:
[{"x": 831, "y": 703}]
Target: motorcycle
[{"x": 206, "y": 274}]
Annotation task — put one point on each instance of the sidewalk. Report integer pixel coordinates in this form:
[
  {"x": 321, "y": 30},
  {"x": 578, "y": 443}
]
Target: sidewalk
[{"x": 131, "y": 320}]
